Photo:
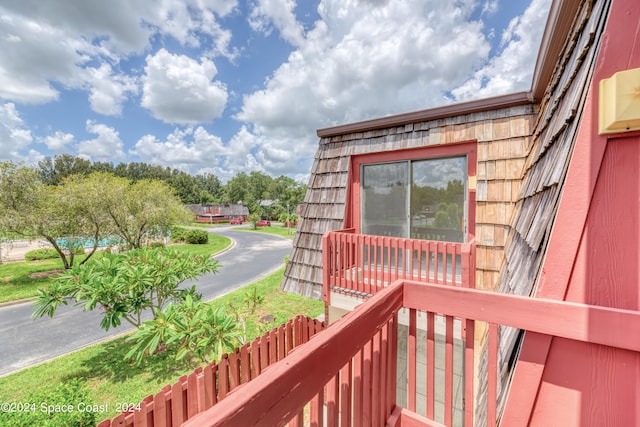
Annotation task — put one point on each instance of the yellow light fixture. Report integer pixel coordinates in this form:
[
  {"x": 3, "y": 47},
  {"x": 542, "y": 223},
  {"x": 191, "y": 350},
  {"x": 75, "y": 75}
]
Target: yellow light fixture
[
  {"x": 472, "y": 183},
  {"x": 619, "y": 105}
]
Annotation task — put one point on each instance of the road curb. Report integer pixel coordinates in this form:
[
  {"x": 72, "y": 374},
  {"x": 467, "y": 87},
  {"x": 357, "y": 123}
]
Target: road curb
[{"x": 16, "y": 302}]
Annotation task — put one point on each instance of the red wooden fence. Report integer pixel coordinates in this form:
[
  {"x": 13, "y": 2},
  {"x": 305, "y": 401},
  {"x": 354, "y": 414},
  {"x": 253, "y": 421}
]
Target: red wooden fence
[{"x": 207, "y": 386}]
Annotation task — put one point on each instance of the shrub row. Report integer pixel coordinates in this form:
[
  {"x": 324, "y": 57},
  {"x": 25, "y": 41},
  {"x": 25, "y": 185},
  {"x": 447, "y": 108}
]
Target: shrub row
[
  {"x": 195, "y": 237},
  {"x": 47, "y": 253}
]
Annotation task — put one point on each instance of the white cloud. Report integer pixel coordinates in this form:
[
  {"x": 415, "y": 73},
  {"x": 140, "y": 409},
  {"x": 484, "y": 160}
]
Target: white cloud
[
  {"x": 106, "y": 146},
  {"x": 108, "y": 90},
  {"x": 198, "y": 151},
  {"x": 279, "y": 14},
  {"x": 59, "y": 142},
  {"x": 35, "y": 53},
  {"x": 178, "y": 89},
  {"x": 183, "y": 147},
  {"x": 361, "y": 60},
  {"x": 14, "y": 137},
  {"x": 512, "y": 69},
  {"x": 490, "y": 7},
  {"x": 48, "y": 43}
]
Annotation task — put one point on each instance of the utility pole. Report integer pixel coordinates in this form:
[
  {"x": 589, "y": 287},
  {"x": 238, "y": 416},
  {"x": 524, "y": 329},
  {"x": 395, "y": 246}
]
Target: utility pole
[{"x": 288, "y": 220}]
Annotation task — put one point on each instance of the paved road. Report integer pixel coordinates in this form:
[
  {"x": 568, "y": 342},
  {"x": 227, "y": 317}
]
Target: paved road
[{"x": 25, "y": 342}]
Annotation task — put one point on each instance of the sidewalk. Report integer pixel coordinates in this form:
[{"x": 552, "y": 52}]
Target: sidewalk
[{"x": 14, "y": 250}]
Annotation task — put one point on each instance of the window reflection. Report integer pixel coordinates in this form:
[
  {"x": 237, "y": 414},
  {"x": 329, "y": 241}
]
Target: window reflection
[
  {"x": 432, "y": 207},
  {"x": 438, "y": 199}
]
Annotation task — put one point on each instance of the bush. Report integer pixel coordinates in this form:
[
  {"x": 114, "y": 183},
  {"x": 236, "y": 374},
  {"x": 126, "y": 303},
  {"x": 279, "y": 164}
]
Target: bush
[
  {"x": 38, "y": 254},
  {"x": 44, "y": 407},
  {"x": 178, "y": 234},
  {"x": 48, "y": 253},
  {"x": 197, "y": 237},
  {"x": 156, "y": 245}
]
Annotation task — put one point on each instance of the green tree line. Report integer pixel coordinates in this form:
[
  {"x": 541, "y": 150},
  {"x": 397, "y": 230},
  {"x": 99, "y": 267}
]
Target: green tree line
[{"x": 250, "y": 189}]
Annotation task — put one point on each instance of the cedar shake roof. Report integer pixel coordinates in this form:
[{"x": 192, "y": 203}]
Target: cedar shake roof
[
  {"x": 501, "y": 135},
  {"x": 549, "y": 154},
  {"x": 503, "y": 127}
]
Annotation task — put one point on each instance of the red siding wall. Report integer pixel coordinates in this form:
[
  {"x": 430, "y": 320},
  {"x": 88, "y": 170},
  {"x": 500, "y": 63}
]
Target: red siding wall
[{"x": 593, "y": 257}]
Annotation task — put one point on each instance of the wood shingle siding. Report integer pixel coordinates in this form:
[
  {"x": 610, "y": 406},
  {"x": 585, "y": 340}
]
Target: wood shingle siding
[{"x": 502, "y": 133}]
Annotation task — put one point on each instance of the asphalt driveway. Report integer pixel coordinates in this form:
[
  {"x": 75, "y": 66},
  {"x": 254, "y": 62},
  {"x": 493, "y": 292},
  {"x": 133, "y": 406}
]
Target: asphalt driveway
[{"x": 25, "y": 342}]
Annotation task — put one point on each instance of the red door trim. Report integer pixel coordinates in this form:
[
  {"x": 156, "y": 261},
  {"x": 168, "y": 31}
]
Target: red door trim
[{"x": 468, "y": 148}]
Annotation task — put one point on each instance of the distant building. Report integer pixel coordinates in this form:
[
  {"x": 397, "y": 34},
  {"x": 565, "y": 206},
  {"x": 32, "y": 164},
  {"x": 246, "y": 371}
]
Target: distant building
[{"x": 213, "y": 213}]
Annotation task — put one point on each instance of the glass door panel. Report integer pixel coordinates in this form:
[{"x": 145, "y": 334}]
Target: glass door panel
[
  {"x": 385, "y": 190},
  {"x": 438, "y": 199}
]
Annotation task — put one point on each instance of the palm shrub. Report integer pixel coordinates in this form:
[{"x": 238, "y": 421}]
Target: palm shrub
[{"x": 193, "y": 329}]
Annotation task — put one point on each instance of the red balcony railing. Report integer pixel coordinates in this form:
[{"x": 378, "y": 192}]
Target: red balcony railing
[
  {"x": 364, "y": 264},
  {"x": 347, "y": 374}
]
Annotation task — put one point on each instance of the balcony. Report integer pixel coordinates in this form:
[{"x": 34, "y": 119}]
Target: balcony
[
  {"x": 347, "y": 375},
  {"x": 361, "y": 265}
]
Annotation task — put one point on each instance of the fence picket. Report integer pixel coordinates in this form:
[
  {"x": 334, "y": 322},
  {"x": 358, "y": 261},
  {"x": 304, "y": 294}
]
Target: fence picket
[{"x": 207, "y": 386}]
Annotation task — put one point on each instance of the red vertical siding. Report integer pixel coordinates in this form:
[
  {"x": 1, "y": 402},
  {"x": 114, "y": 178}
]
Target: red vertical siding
[{"x": 593, "y": 257}]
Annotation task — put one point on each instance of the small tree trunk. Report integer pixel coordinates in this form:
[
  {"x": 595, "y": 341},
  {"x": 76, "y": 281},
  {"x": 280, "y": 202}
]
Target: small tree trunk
[{"x": 61, "y": 253}]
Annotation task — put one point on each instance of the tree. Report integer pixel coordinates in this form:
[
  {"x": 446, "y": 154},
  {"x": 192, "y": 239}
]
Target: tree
[
  {"x": 209, "y": 184},
  {"x": 142, "y": 210},
  {"x": 237, "y": 190},
  {"x": 19, "y": 193},
  {"x": 250, "y": 303},
  {"x": 185, "y": 187},
  {"x": 31, "y": 209},
  {"x": 259, "y": 186},
  {"x": 254, "y": 218},
  {"x": 81, "y": 196},
  {"x": 52, "y": 171},
  {"x": 127, "y": 285}
]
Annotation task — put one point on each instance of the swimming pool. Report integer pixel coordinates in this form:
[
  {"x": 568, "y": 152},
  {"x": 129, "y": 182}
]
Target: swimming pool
[{"x": 88, "y": 242}]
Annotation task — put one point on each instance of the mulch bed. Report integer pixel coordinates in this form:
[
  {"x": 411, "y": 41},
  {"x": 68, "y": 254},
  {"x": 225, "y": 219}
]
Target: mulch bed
[{"x": 44, "y": 274}]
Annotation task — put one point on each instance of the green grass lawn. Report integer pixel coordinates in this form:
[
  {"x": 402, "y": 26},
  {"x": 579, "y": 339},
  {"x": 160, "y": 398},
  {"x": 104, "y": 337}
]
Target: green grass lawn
[
  {"x": 216, "y": 244},
  {"x": 110, "y": 379},
  {"x": 19, "y": 280},
  {"x": 201, "y": 225}
]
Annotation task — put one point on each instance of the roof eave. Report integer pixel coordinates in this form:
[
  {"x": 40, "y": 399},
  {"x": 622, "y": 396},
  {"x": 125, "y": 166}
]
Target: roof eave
[
  {"x": 559, "y": 22},
  {"x": 486, "y": 104}
]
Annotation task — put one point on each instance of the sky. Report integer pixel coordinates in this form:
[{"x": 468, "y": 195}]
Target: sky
[{"x": 226, "y": 86}]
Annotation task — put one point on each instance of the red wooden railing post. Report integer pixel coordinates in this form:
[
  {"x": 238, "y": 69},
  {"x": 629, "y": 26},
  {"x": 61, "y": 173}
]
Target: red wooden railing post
[
  {"x": 411, "y": 360},
  {"x": 368, "y": 263},
  {"x": 326, "y": 272}
]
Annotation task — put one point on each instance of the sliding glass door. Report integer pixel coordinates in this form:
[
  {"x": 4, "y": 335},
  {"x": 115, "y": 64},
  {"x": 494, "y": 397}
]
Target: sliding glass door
[{"x": 420, "y": 199}]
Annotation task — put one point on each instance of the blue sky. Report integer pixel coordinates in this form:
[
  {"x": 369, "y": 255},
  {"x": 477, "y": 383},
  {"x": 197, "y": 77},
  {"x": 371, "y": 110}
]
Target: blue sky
[{"x": 225, "y": 86}]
